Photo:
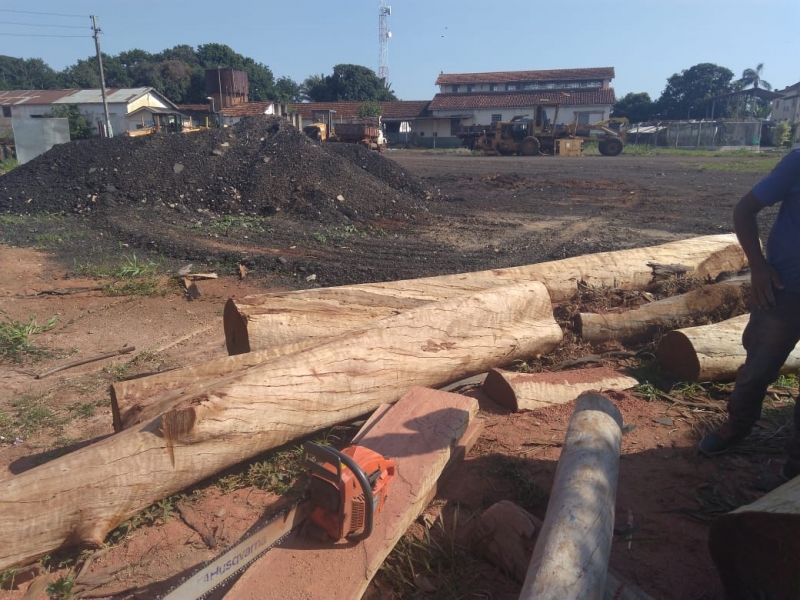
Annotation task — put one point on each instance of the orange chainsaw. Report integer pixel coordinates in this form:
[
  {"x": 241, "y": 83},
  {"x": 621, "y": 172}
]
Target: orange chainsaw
[{"x": 348, "y": 489}]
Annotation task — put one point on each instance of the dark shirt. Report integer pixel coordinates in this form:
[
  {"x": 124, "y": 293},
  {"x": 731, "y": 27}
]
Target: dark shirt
[{"x": 783, "y": 247}]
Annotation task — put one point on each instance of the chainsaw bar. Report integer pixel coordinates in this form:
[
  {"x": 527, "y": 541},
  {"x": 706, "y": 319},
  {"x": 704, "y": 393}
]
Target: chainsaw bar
[{"x": 238, "y": 557}]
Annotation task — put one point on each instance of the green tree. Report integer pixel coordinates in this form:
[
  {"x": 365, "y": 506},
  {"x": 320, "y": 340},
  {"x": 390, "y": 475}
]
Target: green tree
[
  {"x": 689, "y": 91},
  {"x": 26, "y": 74},
  {"x": 79, "y": 127},
  {"x": 347, "y": 83},
  {"x": 752, "y": 78},
  {"x": 634, "y": 107},
  {"x": 369, "y": 109},
  {"x": 287, "y": 90}
]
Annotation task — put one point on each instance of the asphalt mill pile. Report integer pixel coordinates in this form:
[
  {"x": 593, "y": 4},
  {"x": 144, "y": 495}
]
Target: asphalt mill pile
[{"x": 259, "y": 167}]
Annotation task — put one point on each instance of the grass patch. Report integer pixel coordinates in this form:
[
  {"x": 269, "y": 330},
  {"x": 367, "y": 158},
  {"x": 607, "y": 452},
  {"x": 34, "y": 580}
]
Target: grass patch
[
  {"x": 27, "y": 416},
  {"x": 130, "y": 267},
  {"x": 15, "y": 336},
  {"x": 161, "y": 511},
  {"x": 149, "y": 286},
  {"x": 7, "y": 165},
  {"x": 758, "y": 164},
  {"x": 228, "y": 223},
  {"x": 433, "y": 566}
]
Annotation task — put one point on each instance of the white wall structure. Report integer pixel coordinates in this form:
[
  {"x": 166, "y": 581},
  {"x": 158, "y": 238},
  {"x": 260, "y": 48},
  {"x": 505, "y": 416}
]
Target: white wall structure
[
  {"x": 33, "y": 137},
  {"x": 787, "y": 108}
]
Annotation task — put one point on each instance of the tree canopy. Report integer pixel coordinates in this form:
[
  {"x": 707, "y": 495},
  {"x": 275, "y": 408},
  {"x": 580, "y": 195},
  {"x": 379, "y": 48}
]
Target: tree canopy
[
  {"x": 635, "y": 107},
  {"x": 690, "y": 90},
  {"x": 348, "y": 82}
]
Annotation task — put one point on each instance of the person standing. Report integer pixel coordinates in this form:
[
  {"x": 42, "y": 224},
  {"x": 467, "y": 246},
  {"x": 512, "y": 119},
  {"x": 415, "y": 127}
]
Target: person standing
[{"x": 774, "y": 326}]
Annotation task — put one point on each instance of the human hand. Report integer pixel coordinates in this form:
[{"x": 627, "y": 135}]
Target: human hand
[{"x": 763, "y": 280}]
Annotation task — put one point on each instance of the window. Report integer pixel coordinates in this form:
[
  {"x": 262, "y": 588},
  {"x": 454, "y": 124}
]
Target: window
[
  {"x": 455, "y": 89},
  {"x": 6, "y": 111},
  {"x": 455, "y": 126},
  {"x": 470, "y": 88},
  {"x": 583, "y": 118},
  {"x": 492, "y": 87},
  {"x": 497, "y": 117},
  {"x": 510, "y": 87}
]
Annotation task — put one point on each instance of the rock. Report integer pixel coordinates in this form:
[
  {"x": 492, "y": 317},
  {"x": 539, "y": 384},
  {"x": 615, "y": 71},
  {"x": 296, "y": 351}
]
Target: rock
[{"x": 177, "y": 168}]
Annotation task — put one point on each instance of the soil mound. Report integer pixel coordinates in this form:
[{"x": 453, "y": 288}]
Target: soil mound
[{"x": 259, "y": 167}]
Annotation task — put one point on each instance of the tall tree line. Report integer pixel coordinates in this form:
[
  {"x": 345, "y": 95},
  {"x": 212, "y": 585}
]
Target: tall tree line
[{"x": 179, "y": 74}]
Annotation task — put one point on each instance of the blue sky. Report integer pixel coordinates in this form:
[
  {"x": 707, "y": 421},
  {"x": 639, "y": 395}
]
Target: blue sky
[{"x": 645, "y": 40}]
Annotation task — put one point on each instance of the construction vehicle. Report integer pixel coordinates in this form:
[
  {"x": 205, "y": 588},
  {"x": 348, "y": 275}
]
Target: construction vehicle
[
  {"x": 367, "y": 132},
  {"x": 538, "y": 135}
]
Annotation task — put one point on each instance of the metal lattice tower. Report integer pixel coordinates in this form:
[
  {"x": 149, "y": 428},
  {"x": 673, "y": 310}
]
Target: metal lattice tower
[{"x": 384, "y": 35}]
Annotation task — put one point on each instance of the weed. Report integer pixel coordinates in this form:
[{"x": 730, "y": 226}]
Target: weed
[
  {"x": 8, "y": 165},
  {"x": 319, "y": 238},
  {"x": 228, "y": 222},
  {"x": 160, "y": 511},
  {"x": 29, "y": 415},
  {"x": 435, "y": 563},
  {"x": 84, "y": 411},
  {"x": 787, "y": 382},
  {"x": 149, "y": 287},
  {"x": 527, "y": 492},
  {"x": 61, "y": 588},
  {"x": 15, "y": 336},
  {"x": 133, "y": 268},
  {"x": 7, "y": 579},
  {"x": 764, "y": 165},
  {"x": 647, "y": 391}
]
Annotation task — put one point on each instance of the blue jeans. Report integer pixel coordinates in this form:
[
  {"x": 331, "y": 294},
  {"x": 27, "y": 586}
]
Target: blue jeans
[{"x": 770, "y": 335}]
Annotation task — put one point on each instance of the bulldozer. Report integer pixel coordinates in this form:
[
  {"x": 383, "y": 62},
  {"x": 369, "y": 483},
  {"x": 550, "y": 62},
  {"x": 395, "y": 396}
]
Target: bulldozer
[{"x": 538, "y": 135}]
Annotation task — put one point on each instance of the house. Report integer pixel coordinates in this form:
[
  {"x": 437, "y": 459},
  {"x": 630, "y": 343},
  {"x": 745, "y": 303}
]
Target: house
[
  {"x": 787, "y": 107},
  {"x": 583, "y": 95},
  {"x": 129, "y": 108}
]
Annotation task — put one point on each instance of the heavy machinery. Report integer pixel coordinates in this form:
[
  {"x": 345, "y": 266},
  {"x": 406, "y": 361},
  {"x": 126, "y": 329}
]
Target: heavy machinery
[
  {"x": 367, "y": 132},
  {"x": 538, "y": 135}
]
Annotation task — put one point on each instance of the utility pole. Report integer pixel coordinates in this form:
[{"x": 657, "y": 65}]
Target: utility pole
[{"x": 96, "y": 30}]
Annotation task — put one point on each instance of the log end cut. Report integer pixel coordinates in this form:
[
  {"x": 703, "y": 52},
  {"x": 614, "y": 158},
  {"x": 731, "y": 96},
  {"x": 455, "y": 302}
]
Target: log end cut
[
  {"x": 499, "y": 389},
  {"x": 234, "y": 323},
  {"x": 677, "y": 355}
]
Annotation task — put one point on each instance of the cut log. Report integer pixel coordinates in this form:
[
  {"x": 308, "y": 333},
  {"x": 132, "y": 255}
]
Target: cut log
[
  {"x": 529, "y": 391},
  {"x": 572, "y": 550},
  {"x": 710, "y": 352},
  {"x": 265, "y": 320},
  {"x": 419, "y": 433},
  {"x": 80, "y": 497},
  {"x": 506, "y": 534},
  {"x": 755, "y": 547},
  {"x": 642, "y": 322}
]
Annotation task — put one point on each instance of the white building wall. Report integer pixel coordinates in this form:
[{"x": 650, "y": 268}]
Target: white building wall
[
  {"x": 786, "y": 109},
  {"x": 566, "y": 114}
]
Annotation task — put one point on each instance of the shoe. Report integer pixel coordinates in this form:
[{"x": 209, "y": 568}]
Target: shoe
[{"x": 721, "y": 440}]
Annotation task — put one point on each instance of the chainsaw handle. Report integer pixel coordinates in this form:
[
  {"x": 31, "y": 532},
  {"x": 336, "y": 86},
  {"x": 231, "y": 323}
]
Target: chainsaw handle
[{"x": 366, "y": 488}]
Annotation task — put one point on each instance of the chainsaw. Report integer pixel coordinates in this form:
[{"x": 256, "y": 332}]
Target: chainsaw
[{"x": 347, "y": 490}]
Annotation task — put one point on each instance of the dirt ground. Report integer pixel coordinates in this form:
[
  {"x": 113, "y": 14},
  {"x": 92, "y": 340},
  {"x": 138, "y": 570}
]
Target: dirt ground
[{"x": 482, "y": 212}]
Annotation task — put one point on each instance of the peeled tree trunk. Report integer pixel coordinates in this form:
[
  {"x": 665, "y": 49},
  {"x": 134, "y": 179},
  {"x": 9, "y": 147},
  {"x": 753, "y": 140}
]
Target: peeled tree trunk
[
  {"x": 265, "y": 320},
  {"x": 755, "y": 547},
  {"x": 571, "y": 555},
  {"x": 711, "y": 352},
  {"x": 643, "y": 321},
  {"x": 78, "y": 498}
]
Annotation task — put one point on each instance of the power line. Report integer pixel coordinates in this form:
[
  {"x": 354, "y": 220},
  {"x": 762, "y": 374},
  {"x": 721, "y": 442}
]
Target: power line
[
  {"x": 42, "y": 35},
  {"x": 41, "y": 25},
  {"x": 31, "y": 12}
]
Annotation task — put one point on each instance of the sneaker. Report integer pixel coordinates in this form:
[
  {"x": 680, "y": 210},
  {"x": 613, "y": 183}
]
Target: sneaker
[{"x": 721, "y": 440}]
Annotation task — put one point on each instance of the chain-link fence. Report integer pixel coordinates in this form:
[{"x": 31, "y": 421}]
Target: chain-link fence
[{"x": 696, "y": 134}]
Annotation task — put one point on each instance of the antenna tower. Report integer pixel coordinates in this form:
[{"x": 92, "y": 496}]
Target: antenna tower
[{"x": 384, "y": 35}]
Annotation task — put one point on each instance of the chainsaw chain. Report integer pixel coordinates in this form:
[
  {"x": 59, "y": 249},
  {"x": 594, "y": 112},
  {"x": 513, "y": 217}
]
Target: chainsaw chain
[{"x": 225, "y": 578}]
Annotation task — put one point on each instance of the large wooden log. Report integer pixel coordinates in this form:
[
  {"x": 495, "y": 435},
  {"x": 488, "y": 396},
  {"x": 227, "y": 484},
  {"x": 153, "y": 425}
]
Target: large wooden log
[
  {"x": 643, "y": 321},
  {"x": 529, "y": 391},
  {"x": 710, "y": 352},
  {"x": 421, "y": 432},
  {"x": 80, "y": 497},
  {"x": 755, "y": 547},
  {"x": 570, "y": 558},
  {"x": 266, "y": 320}
]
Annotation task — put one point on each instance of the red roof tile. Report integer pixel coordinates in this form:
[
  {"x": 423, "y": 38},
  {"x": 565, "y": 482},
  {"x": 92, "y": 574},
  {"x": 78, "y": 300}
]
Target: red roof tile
[
  {"x": 520, "y": 99},
  {"x": 248, "y": 109},
  {"x": 509, "y": 76},
  {"x": 349, "y": 110}
]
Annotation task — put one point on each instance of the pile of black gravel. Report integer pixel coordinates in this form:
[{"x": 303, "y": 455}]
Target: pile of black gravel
[{"x": 259, "y": 167}]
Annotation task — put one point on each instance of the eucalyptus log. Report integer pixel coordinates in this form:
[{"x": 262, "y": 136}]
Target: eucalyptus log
[
  {"x": 711, "y": 352},
  {"x": 755, "y": 547},
  {"x": 78, "y": 498},
  {"x": 264, "y": 320},
  {"x": 571, "y": 555},
  {"x": 529, "y": 391},
  {"x": 642, "y": 322}
]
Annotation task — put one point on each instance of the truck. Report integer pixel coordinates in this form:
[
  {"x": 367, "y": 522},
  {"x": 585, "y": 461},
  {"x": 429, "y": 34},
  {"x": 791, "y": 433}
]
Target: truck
[
  {"x": 366, "y": 132},
  {"x": 538, "y": 135}
]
